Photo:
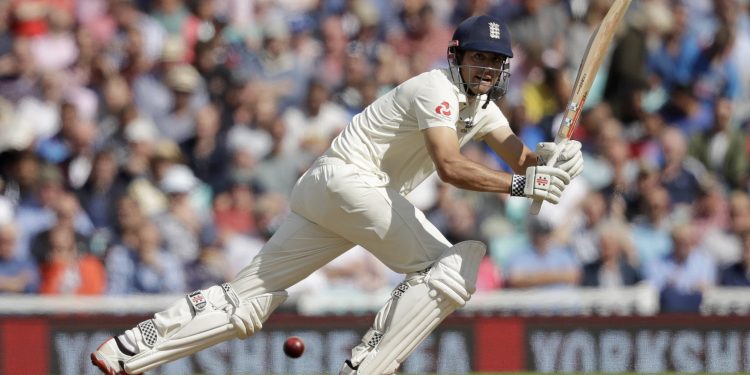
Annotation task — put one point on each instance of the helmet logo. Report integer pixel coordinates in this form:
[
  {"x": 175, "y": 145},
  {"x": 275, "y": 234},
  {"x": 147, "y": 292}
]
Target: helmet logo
[
  {"x": 494, "y": 30},
  {"x": 443, "y": 109}
]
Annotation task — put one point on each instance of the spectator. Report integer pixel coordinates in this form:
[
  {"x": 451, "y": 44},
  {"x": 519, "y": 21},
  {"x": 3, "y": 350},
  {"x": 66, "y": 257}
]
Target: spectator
[
  {"x": 250, "y": 135},
  {"x": 141, "y": 136},
  {"x": 20, "y": 174},
  {"x": 312, "y": 126},
  {"x": 66, "y": 209},
  {"x": 102, "y": 190},
  {"x": 738, "y": 274},
  {"x": 127, "y": 16},
  {"x": 16, "y": 275},
  {"x": 279, "y": 169},
  {"x": 181, "y": 224},
  {"x": 545, "y": 264},
  {"x": 210, "y": 268},
  {"x": 177, "y": 20},
  {"x": 233, "y": 207},
  {"x": 461, "y": 221},
  {"x": 69, "y": 270},
  {"x": 206, "y": 151},
  {"x": 146, "y": 267},
  {"x": 129, "y": 218},
  {"x": 651, "y": 229},
  {"x": 715, "y": 74},
  {"x": 684, "y": 111},
  {"x": 215, "y": 67},
  {"x": 680, "y": 173},
  {"x": 627, "y": 76},
  {"x": 57, "y": 147},
  {"x": 616, "y": 265},
  {"x": 539, "y": 22},
  {"x": 156, "y": 91},
  {"x": 38, "y": 213},
  {"x": 422, "y": 30},
  {"x": 684, "y": 274},
  {"x": 43, "y": 111},
  {"x": 116, "y": 111},
  {"x": 276, "y": 65},
  {"x": 56, "y": 49},
  {"x": 710, "y": 211},
  {"x": 585, "y": 228},
  {"x": 721, "y": 148},
  {"x": 184, "y": 83},
  {"x": 726, "y": 245},
  {"x": 20, "y": 72},
  {"x": 672, "y": 61}
]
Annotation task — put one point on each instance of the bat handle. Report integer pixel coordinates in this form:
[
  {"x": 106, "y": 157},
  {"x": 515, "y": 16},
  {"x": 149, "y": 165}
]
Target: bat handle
[{"x": 537, "y": 204}]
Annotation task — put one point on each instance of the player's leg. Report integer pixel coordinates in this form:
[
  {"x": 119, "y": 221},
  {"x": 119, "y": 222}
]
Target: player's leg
[
  {"x": 232, "y": 310},
  {"x": 416, "y": 307},
  {"x": 440, "y": 277}
]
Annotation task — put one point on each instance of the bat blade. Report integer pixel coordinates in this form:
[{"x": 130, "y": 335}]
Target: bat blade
[{"x": 598, "y": 46}]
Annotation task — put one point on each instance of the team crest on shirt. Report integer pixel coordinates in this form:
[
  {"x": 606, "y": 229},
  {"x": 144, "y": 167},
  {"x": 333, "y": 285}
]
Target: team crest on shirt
[{"x": 443, "y": 108}]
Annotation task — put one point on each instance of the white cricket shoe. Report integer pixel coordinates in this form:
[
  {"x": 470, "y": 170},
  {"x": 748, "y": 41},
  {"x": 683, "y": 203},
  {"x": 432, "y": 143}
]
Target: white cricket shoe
[{"x": 110, "y": 357}]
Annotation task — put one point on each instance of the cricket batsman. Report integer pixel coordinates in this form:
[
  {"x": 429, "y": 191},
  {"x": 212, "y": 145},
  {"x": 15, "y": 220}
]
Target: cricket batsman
[{"x": 354, "y": 195}]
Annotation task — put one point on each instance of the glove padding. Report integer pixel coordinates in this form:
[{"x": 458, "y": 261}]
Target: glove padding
[
  {"x": 541, "y": 182},
  {"x": 570, "y": 159}
]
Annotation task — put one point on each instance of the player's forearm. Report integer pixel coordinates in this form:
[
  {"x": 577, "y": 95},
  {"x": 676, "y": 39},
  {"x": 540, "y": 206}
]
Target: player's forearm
[
  {"x": 466, "y": 174},
  {"x": 527, "y": 159}
]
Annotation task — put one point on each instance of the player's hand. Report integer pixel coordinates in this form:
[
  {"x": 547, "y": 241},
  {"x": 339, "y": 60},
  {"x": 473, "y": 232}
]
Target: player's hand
[
  {"x": 540, "y": 182},
  {"x": 570, "y": 159}
]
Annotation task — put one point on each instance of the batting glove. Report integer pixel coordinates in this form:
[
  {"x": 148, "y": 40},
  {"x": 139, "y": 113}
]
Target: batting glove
[
  {"x": 540, "y": 182},
  {"x": 570, "y": 159}
]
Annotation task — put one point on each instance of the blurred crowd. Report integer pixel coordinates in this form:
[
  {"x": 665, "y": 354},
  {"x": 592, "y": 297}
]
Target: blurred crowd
[{"x": 150, "y": 146}]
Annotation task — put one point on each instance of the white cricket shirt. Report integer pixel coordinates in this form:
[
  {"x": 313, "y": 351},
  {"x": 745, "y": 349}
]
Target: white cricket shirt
[{"x": 386, "y": 138}]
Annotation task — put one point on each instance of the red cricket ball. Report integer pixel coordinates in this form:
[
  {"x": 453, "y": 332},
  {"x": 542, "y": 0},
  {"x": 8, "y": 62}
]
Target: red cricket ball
[{"x": 294, "y": 347}]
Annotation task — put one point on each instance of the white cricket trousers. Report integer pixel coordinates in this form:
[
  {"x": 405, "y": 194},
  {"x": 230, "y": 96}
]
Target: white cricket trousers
[{"x": 335, "y": 206}]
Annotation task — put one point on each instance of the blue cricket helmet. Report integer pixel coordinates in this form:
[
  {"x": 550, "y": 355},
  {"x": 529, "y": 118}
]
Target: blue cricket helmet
[{"x": 483, "y": 33}]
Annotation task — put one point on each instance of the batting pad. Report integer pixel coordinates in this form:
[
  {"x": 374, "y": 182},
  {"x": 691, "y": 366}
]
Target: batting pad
[
  {"x": 217, "y": 315},
  {"x": 415, "y": 311}
]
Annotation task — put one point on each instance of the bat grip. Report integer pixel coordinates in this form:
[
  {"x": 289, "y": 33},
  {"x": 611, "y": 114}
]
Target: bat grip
[{"x": 537, "y": 204}]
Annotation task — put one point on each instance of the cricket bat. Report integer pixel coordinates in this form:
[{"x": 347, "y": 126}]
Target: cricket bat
[{"x": 592, "y": 59}]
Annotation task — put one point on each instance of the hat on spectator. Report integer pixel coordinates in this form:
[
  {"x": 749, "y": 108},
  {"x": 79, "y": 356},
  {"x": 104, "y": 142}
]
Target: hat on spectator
[
  {"x": 141, "y": 129},
  {"x": 183, "y": 78},
  {"x": 173, "y": 50},
  {"x": 367, "y": 13},
  {"x": 168, "y": 150},
  {"x": 6, "y": 211},
  {"x": 16, "y": 132},
  {"x": 178, "y": 179}
]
